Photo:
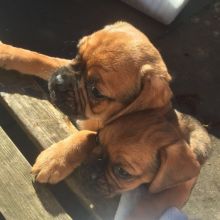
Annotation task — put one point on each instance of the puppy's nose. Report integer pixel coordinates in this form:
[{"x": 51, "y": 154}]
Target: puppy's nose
[
  {"x": 97, "y": 169},
  {"x": 59, "y": 79},
  {"x": 94, "y": 176},
  {"x": 61, "y": 82}
]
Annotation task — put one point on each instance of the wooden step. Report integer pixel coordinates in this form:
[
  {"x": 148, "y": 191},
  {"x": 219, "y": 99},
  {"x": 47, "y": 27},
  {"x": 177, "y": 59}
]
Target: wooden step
[
  {"x": 19, "y": 197},
  {"x": 27, "y": 102}
]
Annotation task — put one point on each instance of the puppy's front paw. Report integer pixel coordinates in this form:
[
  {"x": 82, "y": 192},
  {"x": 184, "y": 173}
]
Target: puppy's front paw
[{"x": 52, "y": 165}]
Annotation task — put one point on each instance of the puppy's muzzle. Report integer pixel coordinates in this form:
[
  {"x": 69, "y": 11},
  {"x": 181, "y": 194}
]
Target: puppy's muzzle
[
  {"x": 95, "y": 171},
  {"x": 66, "y": 89}
]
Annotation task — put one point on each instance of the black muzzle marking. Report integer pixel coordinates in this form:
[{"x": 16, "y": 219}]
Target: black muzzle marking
[{"x": 66, "y": 91}]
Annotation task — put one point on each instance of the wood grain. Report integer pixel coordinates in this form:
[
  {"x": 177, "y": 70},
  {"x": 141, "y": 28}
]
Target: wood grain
[
  {"x": 19, "y": 198},
  {"x": 45, "y": 125}
]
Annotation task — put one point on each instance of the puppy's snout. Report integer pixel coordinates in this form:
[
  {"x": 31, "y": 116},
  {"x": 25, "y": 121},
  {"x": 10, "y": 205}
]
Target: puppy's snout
[
  {"x": 94, "y": 176},
  {"x": 95, "y": 167},
  {"x": 62, "y": 79},
  {"x": 61, "y": 82}
]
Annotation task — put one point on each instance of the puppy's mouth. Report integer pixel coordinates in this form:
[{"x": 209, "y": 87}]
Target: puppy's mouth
[
  {"x": 95, "y": 171},
  {"x": 66, "y": 88},
  {"x": 105, "y": 188}
]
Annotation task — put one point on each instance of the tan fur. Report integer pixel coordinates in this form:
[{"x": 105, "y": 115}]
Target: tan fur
[
  {"x": 138, "y": 128},
  {"x": 59, "y": 160},
  {"x": 28, "y": 62}
]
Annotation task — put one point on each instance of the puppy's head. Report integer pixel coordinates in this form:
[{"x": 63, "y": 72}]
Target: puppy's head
[
  {"x": 146, "y": 149},
  {"x": 116, "y": 70}
]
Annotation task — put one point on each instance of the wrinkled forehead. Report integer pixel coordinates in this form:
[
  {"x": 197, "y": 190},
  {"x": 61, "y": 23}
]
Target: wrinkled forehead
[
  {"x": 142, "y": 131},
  {"x": 134, "y": 157},
  {"x": 120, "y": 142},
  {"x": 108, "y": 58},
  {"x": 103, "y": 46}
]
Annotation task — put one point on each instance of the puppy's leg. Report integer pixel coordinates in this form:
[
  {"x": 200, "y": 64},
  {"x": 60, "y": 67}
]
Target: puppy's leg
[
  {"x": 29, "y": 62},
  {"x": 58, "y": 161},
  {"x": 152, "y": 206}
]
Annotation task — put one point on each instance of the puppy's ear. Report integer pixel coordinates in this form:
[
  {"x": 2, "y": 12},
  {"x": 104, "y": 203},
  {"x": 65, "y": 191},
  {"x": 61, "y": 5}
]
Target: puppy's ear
[
  {"x": 178, "y": 164},
  {"x": 157, "y": 90}
]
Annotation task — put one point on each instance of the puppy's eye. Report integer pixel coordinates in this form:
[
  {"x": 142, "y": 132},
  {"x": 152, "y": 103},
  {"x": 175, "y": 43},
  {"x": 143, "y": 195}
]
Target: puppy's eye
[
  {"x": 121, "y": 173},
  {"x": 96, "y": 93}
]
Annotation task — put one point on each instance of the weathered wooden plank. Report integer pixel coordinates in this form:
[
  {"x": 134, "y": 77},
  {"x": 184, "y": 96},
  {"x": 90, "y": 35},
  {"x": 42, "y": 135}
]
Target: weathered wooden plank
[
  {"x": 19, "y": 198},
  {"x": 28, "y": 104}
]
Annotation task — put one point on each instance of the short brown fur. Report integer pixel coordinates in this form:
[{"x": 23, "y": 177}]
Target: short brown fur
[{"x": 137, "y": 128}]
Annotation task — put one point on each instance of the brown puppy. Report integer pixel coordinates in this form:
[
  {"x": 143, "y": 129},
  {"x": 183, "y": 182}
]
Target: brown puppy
[
  {"x": 163, "y": 151},
  {"x": 119, "y": 85}
]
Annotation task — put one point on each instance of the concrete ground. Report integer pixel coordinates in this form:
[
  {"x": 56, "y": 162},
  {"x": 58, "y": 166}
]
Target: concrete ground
[{"x": 190, "y": 47}]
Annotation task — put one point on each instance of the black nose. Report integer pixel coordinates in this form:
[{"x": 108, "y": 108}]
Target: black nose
[
  {"x": 94, "y": 176},
  {"x": 97, "y": 169},
  {"x": 59, "y": 79},
  {"x": 59, "y": 82},
  {"x": 62, "y": 79}
]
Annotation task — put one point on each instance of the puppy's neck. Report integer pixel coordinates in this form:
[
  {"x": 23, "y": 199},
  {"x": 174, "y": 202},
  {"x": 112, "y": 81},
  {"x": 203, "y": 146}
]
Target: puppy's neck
[
  {"x": 95, "y": 124},
  {"x": 166, "y": 111}
]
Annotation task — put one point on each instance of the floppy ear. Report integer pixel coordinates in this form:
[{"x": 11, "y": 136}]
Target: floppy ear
[
  {"x": 156, "y": 83},
  {"x": 155, "y": 92},
  {"x": 178, "y": 164}
]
